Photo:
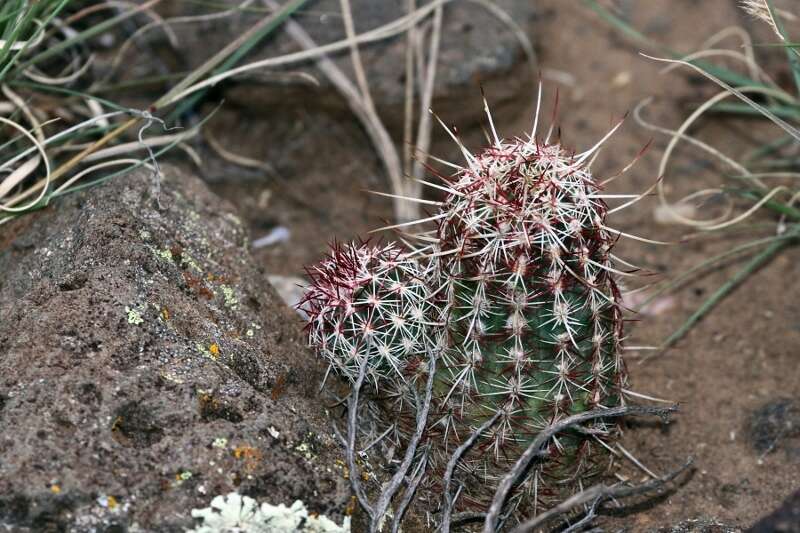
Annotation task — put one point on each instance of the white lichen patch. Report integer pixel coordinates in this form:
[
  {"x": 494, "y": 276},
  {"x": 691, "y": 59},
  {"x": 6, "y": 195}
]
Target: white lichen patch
[
  {"x": 235, "y": 512},
  {"x": 231, "y": 301},
  {"x": 220, "y": 442},
  {"x": 134, "y": 316},
  {"x": 165, "y": 254}
]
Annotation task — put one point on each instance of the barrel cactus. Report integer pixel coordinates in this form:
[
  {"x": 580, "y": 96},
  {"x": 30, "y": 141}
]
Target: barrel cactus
[{"x": 534, "y": 322}]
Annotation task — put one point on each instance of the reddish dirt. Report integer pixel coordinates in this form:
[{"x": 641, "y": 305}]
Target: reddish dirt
[{"x": 741, "y": 356}]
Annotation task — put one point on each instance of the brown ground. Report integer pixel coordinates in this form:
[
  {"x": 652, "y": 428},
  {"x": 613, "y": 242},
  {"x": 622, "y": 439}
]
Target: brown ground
[{"x": 740, "y": 357}]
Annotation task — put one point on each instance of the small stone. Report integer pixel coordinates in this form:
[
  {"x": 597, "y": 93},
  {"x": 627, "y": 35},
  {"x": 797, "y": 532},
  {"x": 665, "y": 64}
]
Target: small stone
[
  {"x": 773, "y": 423},
  {"x": 785, "y": 519}
]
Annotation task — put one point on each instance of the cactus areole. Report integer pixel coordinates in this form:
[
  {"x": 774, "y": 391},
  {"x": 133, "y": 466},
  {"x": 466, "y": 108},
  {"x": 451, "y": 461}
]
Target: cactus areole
[{"x": 534, "y": 322}]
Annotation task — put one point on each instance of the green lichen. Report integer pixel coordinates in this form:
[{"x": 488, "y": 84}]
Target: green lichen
[
  {"x": 189, "y": 260},
  {"x": 203, "y": 350},
  {"x": 306, "y": 446},
  {"x": 165, "y": 254},
  {"x": 134, "y": 316},
  {"x": 230, "y": 297}
]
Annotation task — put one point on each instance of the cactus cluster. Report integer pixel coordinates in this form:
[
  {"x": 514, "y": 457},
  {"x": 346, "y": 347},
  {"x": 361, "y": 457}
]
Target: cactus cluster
[{"x": 514, "y": 293}]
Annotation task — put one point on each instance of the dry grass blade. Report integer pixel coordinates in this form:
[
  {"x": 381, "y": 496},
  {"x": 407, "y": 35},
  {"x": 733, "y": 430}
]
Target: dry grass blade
[{"x": 364, "y": 112}]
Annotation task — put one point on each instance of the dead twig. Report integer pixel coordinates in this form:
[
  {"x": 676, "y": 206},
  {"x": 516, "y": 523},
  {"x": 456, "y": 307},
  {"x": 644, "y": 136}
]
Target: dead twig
[
  {"x": 365, "y": 113},
  {"x": 448, "y": 500},
  {"x": 350, "y": 448},
  {"x": 596, "y": 495},
  {"x": 537, "y": 449},
  {"x": 422, "y": 421},
  {"x": 411, "y": 490}
]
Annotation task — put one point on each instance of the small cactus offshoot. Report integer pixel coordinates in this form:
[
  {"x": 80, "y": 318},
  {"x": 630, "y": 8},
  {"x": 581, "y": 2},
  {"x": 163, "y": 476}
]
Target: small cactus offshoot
[
  {"x": 368, "y": 302},
  {"x": 514, "y": 293}
]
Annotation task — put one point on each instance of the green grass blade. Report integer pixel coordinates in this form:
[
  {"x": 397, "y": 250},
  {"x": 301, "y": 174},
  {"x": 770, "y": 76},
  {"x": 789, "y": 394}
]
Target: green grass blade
[
  {"x": 751, "y": 267},
  {"x": 787, "y": 112},
  {"x": 84, "y": 35}
]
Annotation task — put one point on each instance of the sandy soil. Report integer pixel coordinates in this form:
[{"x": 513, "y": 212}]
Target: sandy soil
[{"x": 740, "y": 357}]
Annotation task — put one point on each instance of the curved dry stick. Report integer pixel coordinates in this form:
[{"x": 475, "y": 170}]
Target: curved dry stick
[
  {"x": 355, "y": 55},
  {"x": 408, "y": 496},
  {"x": 424, "y": 128},
  {"x": 597, "y": 494},
  {"x": 422, "y": 421},
  {"x": 449, "y": 500},
  {"x": 352, "y": 424},
  {"x": 534, "y": 450},
  {"x": 365, "y": 113}
]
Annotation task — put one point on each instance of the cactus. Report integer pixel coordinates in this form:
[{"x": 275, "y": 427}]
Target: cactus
[
  {"x": 368, "y": 302},
  {"x": 515, "y": 294},
  {"x": 534, "y": 322}
]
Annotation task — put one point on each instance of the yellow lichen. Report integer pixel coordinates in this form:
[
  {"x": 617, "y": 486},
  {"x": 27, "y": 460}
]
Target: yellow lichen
[
  {"x": 214, "y": 350},
  {"x": 351, "y": 506},
  {"x": 55, "y": 489}
]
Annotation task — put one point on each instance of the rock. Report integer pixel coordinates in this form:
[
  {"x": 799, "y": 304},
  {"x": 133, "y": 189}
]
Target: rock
[
  {"x": 773, "y": 423},
  {"x": 291, "y": 290},
  {"x": 476, "y": 49},
  {"x": 785, "y": 519},
  {"x": 147, "y": 366}
]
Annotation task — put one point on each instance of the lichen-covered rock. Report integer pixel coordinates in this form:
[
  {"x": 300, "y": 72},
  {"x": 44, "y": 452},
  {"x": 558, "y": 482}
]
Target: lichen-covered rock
[{"x": 147, "y": 366}]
